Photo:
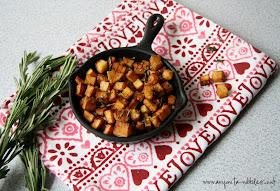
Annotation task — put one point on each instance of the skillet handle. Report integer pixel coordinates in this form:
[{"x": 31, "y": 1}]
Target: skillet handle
[{"x": 151, "y": 31}]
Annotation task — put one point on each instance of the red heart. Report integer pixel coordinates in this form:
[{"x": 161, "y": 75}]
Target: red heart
[
  {"x": 241, "y": 67},
  {"x": 170, "y": 4},
  {"x": 183, "y": 128},
  {"x": 132, "y": 40},
  {"x": 162, "y": 151},
  {"x": 139, "y": 175},
  {"x": 203, "y": 108},
  {"x": 139, "y": 34},
  {"x": 164, "y": 10}
]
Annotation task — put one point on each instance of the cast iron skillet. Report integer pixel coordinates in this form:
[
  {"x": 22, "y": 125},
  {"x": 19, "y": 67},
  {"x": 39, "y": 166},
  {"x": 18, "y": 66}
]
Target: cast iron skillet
[{"x": 142, "y": 51}]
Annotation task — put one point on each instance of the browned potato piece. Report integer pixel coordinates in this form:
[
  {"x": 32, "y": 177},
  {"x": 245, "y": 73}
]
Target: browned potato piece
[
  {"x": 119, "y": 86},
  {"x": 171, "y": 99},
  {"x": 151, "y": 105},
  {"x": 138, "y": 84},
  {"x": 153, "y": 79},
  {"x": 144, "y": 109},
  {"x": 101, "y": 77},
  {"x": 119, "y": 67},
  {"x": 113, "y": 96},
  {"x": 222, "y": 91},
  {"x": 109, "y": 116},
  {"x": 141, "y": 67},
  {"x": 127, "y": 93},
  {"x": 102, "y": 97},
  {"x": 205, "y": 80},
  {"x": 128, "y": 62},
  {"x": 218, "y": 76},
  {"x": 155, "y": 121},
  {"x": 109, "y": 128},
  {"x": 138, "y": 96},
  {"x": 120, "y": 104},
  {"x": 88, "y": 116},
  {"x": 140, "y": 126},
  {"x": 133, "y": 104},
  {"x": 156, "y": 62},
  {"x": 148, "y": 92},
  {"x": 163, "y": 112},
  {"x": 101, "y": 66},
  {"x": 91, "y": 72},
  {"x": 122, "y": 129},
  {"x": 105, "y": 86},
  {"x": 150, "y": 72},
  {"x": 121, "y": 115},
  {"x": 79, "y": 80},
  {"x": 114, "y": 77},
  {"x": 167, "y": 87},
  {"x": 147, "y": 122},
  {"x": 131, "y": 76},
  {"x": 90, "y": 91},
  {"x": 100, "y": 111},
  {"x": 89, "y": 103},
  {"x": 80, "y": 89},
  {"x": 135, "y": 115},
  {"x": 167, "y": 74},
  {"x": 90, "y": 80},
  {"x": 159, "y": 90},
  {"x": 97, "y": 123}
]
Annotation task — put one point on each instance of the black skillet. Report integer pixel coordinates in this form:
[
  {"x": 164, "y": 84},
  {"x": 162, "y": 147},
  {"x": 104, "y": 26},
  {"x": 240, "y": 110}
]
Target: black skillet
[{"x": 142, "y": 51}]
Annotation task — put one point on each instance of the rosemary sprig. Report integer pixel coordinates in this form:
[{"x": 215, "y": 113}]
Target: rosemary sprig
[{"x": 35, "y": 96}]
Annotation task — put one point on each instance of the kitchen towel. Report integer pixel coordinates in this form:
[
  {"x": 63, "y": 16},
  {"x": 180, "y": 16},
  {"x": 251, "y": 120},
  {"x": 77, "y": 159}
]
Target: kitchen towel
[{"x": 195, "y": 46}]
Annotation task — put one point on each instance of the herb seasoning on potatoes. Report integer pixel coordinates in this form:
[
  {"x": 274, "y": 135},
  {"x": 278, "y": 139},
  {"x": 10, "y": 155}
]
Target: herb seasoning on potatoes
[{"x": 122, "y": 97}]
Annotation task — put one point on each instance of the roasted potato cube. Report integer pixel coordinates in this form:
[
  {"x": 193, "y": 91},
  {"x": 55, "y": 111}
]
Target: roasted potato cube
[
  {"x": 127, "y": 93},
  {"x": 167, "y": 74},
  {"x": 80, "y": 89},
  {"x": 131, "y": 76},
  {"x": 97, "y": 123},
  {"x": 138, "y": 96},
  {"x": 140, "y": 126},
  {"x": 79, "y": 80},
  {"x": 218, "y": 76},
  {"x": 113, "y": 96},
  {"x": 141, "y": 67},
  {"x": 119, "y": 67},
  {"x": 109, "y": 116},
  {"x": 90, "y": 80},
  {"x": 129, "y": 84},
  {"x": 119, "y": 86},
  {"x": 163, "y": 112},
  {"x": 133, "y": 104},
  {"x": 144, "y": 109},
  {"x": 147, "y": 122},
  {"x": 153, "y": 79},
  {"x": 109, "y": 128},
  {"x": 138, "y": 84},
  {"x": 89, "y": 103},
  {"x": 150, "y": 72},
  {"x": 91, "y": 72},
  {"x": 159, "y": 90},
  {"x": 155, "y": 121},
  {"x": 82, "y": 101},
  {"x": 205, "y": 80},
  {"x": 135, "y": 115},
  {"x": 90, "y": 91},
  {"x": 148, "y": 92},
  {"x": 167, "y": 87},
  {"x": 88, "y": 116},
  {"x": 122, "y": 129},
  {"x": 102, "y": 97},
  {"x": 121, "y": 115},
  {"x": 128, "y": 62},
  {"x": 105, "y": 86},
  {"x": 222, "y": 90},
  {"x": 101, "y": 66},
  {"x": 101, "y": 77},
  {"x": 155, "y": 61},
  {"x": 100, "y": 111},
  {"x": 150, "y": 105},
  {"x": 120, "y": 104},
  {"x": 171, "y": 99},
  {"x": 114, "y": 76}
]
